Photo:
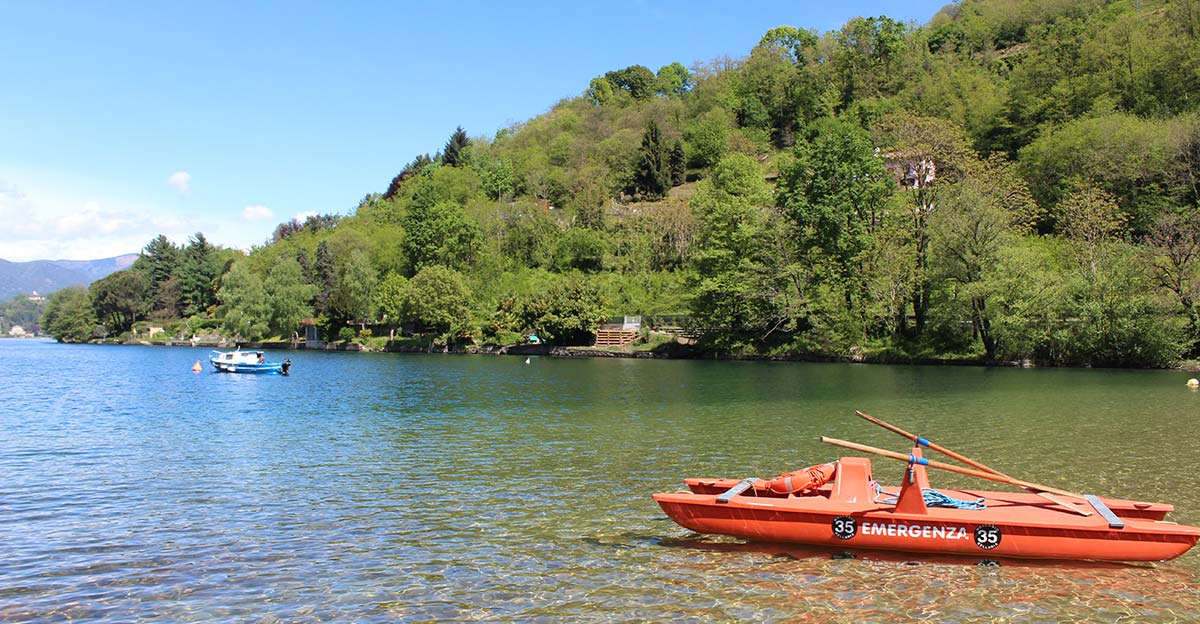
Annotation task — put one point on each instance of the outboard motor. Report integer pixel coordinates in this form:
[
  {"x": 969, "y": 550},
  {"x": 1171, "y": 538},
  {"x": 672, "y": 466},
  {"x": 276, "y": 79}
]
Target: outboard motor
[{"x": 287, "y": 364}]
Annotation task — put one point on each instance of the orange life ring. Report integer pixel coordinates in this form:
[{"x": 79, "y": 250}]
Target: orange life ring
[{"x": 804, "y": 481}]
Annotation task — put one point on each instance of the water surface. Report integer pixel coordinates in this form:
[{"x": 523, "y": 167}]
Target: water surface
[{"x": 381, "y": 487}]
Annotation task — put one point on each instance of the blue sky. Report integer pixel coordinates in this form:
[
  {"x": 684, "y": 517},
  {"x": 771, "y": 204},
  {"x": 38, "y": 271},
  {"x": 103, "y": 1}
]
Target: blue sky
[{"x": 120, "y": 121}]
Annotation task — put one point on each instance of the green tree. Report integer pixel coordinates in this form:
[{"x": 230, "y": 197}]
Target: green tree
[
  {"x": 930, "y": 153},
  {"x": 306, "y": 268},
  {"x": 1025, "y": 299},
  {"x": 1091, "y": 219},
  {"x": 674, "y": 79},
  {"x": 652, "y": 174},
  {"x": 601, "y": 91},
  {"x": 244, "y": 310},
  {"x": 356, "y": 283},
  {"x": 1129, "y": 158},
  {"x": 439, "y": 233},
  {"x": 69, "y": 315},
  {"x": 580, "y": 249},
  {"x": 739, "y": 295},
  {"x": 160, "y": 260},
  {"x": 708, "y": 138},
  {"x": 168, "y": 302},
  {"x": 527, "y": 235},
  {"x": 455, "y": 148},
  {"x": 1112, "y": 319},
  {"x": 1173, "y": 247},
  {"x": 796, "y": 42},
  {"x": 834, "y": 194},
  {"x": 566, "y": 313},
  {"x": 777, "y": 86},
  {"x": 288, "y": 296},
  {"x": 413, "y": 168},
  {"x": 120, "y": 299},
  {"x": 390, "y": 297},
  {"x": 677, "y": 164},
  {"x": 862, "y": 61},
  {"x": 325, "y": 278},
  {"x": 889, "y": 271},
  {"x": 637, "y": 80},
  {"x": 198, "y": 271},
  {"x": 438, "y": 300},
  {"x": 498, "y": 178},
  {"x": 970, "y": 228}
]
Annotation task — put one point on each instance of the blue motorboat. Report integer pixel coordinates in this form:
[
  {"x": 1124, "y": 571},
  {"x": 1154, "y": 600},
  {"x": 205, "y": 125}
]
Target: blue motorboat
[{"x": 253, "y": 362}]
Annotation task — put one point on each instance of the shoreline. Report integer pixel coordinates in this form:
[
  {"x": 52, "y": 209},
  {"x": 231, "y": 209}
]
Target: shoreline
[{"x": 593, "y": 352}]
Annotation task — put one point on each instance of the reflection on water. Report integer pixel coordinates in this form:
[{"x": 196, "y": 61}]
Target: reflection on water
[
  {"x": 860, "y": 586},
  {"x": 385, "y": 487}
]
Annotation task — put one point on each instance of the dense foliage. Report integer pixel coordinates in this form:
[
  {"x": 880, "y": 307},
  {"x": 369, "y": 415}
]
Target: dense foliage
[
  {"x": 1016, "y": 179},
  {"x": 24, "y": 311}
]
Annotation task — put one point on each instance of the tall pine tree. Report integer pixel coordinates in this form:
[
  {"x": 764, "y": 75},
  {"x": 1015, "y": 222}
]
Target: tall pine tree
[
  {"x": 198, "y": 275},
  {"x": 454, "y": 147},
  {"x": 652, "y": 177},
  {"x": 411, "y": 169},
  {"x": 677, "y": 164},
  {"x": 325, "y": 279}
]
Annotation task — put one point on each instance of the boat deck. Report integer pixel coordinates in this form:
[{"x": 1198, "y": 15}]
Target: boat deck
[{"x": 850, "y": 511}]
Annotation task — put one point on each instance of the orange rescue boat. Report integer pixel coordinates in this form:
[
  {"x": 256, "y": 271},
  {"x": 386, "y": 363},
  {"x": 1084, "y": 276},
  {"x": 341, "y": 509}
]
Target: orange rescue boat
[{"x": 841, "y": 505}]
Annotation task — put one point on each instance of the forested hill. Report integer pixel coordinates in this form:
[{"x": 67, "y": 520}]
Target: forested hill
[{"x": 1015, "y": 179}]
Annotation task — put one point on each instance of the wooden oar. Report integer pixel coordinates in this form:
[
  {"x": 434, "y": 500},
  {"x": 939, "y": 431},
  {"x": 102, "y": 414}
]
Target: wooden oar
[
  {"x": 923, "y": 442},
  {"x": 1054, "y": 498},
  {"x": 970, "y": 472}
]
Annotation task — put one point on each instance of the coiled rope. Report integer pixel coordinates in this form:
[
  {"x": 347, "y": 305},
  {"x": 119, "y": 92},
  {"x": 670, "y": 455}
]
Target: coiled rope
[{"x": 933, "y": 498}]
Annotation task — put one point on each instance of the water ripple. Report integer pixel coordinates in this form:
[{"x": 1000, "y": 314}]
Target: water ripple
[{"x": 383, "y": 488}]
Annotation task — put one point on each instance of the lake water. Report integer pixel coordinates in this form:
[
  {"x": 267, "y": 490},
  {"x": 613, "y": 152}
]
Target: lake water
[{"x": 384, "y": 487}]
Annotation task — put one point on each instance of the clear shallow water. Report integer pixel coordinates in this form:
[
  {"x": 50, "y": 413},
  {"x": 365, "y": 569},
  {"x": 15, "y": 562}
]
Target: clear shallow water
[{"x": 448, "y": 488}]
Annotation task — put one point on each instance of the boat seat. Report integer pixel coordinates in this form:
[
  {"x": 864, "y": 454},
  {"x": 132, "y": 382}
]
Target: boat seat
[{"x": 852, "y": 483}]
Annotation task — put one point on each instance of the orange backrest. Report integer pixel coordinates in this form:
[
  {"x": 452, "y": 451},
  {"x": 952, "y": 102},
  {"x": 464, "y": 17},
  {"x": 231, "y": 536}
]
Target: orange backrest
[{"x": 852, "y": 483}]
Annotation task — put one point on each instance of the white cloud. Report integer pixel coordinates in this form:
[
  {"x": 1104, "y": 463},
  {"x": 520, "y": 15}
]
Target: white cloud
[
  {"x": 64, "y": 220},
  {"x": 181, "y": 181},
  {"x": 55, "y": 215},
  {"x": 15, "y": 210},
  {"x": 257, "y": 213},
  {"x": 90, "y": 220},
  {"x": 303, "y": 216}
]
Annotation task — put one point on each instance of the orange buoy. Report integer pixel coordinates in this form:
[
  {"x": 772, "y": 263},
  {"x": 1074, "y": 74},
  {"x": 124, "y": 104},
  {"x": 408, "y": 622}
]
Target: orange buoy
[
  {"x": 802, "y": 481},
  {"x": 196, "y": 367}
]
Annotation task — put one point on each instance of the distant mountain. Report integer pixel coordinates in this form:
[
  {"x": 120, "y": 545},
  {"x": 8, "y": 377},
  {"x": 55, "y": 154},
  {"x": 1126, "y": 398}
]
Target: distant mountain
[{"x": 47, "y": 276}]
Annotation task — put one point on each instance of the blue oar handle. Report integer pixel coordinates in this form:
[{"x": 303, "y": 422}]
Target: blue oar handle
[{"x": 913, "y": 459}]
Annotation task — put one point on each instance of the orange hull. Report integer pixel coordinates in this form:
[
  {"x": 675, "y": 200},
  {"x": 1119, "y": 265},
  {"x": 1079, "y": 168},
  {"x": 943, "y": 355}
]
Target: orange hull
[{"x": 849, "y": 513}]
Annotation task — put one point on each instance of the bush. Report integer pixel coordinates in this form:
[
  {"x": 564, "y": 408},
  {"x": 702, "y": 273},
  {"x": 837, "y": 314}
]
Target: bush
[
  {"x": 567, "y": 313},
  {"x": 580, "y": 249}
]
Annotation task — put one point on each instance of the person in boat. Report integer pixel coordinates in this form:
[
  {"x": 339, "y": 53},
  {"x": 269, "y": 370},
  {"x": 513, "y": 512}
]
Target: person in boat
[{"x": 261, "y": 359}]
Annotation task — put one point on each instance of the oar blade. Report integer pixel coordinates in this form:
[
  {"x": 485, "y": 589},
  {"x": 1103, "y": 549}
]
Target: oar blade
[{"x": 1064, "y": 503}]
